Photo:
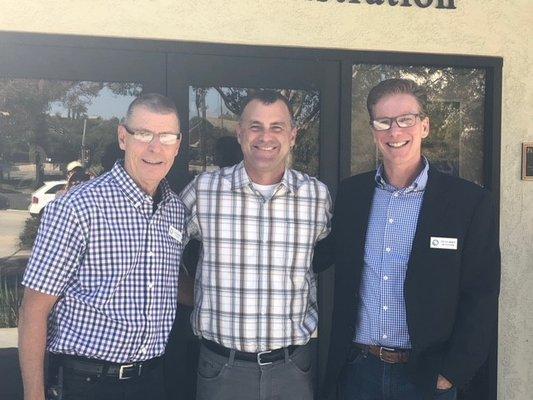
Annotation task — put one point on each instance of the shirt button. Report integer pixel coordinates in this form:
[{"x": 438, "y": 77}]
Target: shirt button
[
  {"x": 384, "y": 336},
  {"x": 385, "y": 278},
  {"x": 391, "y": 220},
  {"x": 150, "y": 285},
  {"x": 387, "y": 249},
  {"x": 150, "y": 254},
  {"x": 143, "y": 350},
  {"x": 396, "y": 194},
  {"x": 385, "y": 308}
]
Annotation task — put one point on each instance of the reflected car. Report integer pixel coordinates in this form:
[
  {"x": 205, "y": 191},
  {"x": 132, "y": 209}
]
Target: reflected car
[{"x": 44, "y": 195}]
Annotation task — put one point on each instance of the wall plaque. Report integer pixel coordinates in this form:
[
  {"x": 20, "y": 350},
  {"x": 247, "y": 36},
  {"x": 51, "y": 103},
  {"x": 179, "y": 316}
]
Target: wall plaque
[{"x": 527, "y": 161}]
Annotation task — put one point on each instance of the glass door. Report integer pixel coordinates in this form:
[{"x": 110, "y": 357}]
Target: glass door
[{"x": 209, "y": 90}]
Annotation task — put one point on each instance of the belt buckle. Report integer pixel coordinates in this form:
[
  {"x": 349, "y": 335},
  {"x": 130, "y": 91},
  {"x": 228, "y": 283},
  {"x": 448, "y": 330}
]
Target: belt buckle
[
  {"x": 391, "y": 350},
  {"x": 259, "y": 357},
  {"x": 122, "y": 369}
]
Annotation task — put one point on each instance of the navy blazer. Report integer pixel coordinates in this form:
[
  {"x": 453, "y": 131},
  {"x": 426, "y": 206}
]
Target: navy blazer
[{"x": 451, "y": 296}]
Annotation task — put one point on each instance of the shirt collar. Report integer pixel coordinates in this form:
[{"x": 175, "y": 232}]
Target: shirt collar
[
  {"x": 240, "y": 179},
  {"x": 418, "y": 185},
  {"x": 132, "y": 191}
]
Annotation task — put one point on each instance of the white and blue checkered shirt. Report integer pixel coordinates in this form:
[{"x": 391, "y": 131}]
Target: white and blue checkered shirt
[
  {"x": 113, "y": 262},
  {"x": 255, "y": 289},
  {"x": 391, "y": 230}
]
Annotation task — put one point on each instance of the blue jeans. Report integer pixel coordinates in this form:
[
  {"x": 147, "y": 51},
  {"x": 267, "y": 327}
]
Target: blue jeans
[{"x": 365, "y": 377}]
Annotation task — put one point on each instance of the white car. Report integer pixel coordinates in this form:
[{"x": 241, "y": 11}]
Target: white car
[{"x": 44, "y": 195}]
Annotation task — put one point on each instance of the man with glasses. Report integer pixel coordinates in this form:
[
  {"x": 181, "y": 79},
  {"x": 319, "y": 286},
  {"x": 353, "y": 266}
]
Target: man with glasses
[
  {"x": 417, "y": 266},
  {"x": 101, "y": 283},
  {"x": 255, "y": 293}
]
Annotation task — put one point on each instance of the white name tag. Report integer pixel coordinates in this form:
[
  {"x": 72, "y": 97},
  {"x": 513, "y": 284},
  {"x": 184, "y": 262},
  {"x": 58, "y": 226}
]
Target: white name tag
[
  {"x": 443, "y": 243},
  {"x": 175, "y": 233}
]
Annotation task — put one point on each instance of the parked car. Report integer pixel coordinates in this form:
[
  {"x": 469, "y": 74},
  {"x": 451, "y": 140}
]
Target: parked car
[{"x": 44, "y": 195}]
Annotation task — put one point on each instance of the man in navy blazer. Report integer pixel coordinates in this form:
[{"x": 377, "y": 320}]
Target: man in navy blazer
[{"x": 417, "y": 266}]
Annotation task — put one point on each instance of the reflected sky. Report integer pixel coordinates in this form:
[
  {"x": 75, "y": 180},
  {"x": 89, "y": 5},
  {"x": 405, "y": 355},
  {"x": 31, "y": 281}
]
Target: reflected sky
[{"x": 106, "y": 105}]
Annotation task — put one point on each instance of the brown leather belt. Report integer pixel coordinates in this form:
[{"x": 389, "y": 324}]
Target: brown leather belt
[{"x": 386, "y": 354}]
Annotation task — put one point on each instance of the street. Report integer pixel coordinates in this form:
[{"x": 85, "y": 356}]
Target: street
[{"x": 11, "y": 225}]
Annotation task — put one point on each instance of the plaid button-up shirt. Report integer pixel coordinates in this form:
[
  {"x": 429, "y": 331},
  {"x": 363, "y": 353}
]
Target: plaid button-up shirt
[
  {"x": 255, "y": 290},
  {"x": 113, "y": 262}
]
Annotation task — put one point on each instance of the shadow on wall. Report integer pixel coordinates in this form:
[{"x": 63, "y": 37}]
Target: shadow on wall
[{"x": 11, "y": 387}]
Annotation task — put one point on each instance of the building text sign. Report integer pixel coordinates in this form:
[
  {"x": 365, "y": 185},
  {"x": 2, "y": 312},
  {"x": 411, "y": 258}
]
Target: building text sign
[{"x": 441, "y": 4}]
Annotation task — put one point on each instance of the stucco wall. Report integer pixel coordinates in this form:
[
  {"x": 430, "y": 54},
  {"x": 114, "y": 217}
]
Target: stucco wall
[{"x": 476, "y": 27}]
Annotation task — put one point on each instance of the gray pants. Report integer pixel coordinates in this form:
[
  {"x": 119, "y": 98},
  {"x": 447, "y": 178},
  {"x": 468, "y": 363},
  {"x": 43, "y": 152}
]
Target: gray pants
[{"x": 225, "y": 378}]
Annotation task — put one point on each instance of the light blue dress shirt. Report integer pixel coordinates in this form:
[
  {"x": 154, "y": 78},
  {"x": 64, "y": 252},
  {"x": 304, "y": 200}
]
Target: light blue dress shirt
[{"x": 391, "y": 229}]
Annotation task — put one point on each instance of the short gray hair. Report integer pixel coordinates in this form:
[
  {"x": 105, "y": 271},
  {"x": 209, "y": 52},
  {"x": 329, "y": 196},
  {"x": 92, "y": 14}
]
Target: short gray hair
[{"x": 154, "y": 102}]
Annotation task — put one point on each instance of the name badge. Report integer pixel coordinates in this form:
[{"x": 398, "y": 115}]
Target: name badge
[
  {"x": 173, "y": 232},
  {"x": 443, "y": 243}
]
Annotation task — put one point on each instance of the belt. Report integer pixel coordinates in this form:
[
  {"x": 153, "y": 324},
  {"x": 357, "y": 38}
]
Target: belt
[
  {"x": 82, "y": 365},
  {"x": 261, "y": 358},
  {"x": 386, "y": 354}
]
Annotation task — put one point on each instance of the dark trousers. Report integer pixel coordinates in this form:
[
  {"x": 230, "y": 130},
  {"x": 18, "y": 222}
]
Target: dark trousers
[
  {"x": 66, "y": 384},
  {"x": 365, "y": 377},
  {"x": 181, "y": 358},
  {"x": 227, "y": 378}
]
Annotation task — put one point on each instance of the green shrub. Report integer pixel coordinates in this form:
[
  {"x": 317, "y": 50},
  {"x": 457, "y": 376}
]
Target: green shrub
[
  {"x": 10, "y": 299},
  {"x": 29, "y": 233}
]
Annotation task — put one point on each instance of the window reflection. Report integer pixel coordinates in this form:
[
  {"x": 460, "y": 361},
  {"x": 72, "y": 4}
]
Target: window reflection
[
  {"x": 455, "y": 106},
  {"x": 46, "y": 125},
  {"x": 214, "y": 111}
]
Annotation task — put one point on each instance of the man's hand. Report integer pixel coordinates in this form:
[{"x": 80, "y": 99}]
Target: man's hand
[{"x": 443, "y": 383}]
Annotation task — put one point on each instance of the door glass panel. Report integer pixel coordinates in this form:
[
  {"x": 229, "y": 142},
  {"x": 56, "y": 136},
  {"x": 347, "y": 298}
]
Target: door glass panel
[
  {"x": 214, "y": 113},
  {"x": 456, "y": 110},
  {"x": 44, "y": 126}
]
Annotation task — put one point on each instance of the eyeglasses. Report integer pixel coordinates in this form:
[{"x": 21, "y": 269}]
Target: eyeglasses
[
  {"x": 403, "y": 121},
  {"x": 166, "y": 138}
]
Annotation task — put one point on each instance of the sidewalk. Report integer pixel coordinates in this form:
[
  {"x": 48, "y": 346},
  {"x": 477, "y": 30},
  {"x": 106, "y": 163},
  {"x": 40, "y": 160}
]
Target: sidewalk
[
  {"x": 8, "y": 337},
  {"x": 12, "y": 226}
]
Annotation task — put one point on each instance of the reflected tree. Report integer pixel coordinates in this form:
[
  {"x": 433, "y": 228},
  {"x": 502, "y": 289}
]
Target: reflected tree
[
  {"x": 203, "y": 134},
  {"x": 305, "y": 104},
  {"x": 29, "y": 133}
]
